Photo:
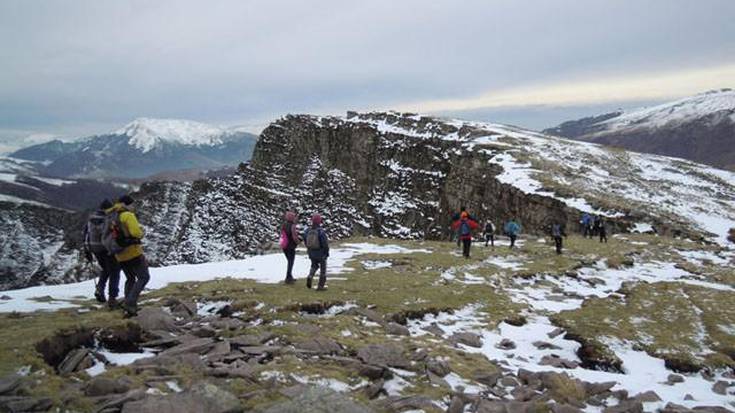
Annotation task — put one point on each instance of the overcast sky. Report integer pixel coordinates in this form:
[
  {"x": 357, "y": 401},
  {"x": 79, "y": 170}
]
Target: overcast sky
[{"x": 73, "y": 68}]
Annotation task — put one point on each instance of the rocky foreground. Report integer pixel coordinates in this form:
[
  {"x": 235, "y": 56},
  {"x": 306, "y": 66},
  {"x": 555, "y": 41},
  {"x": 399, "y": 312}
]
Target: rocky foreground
[{"x": 643, "y": 323}]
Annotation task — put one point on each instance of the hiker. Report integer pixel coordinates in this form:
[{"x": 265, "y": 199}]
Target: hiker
[
  {"x": 456, "y": 217},
  {"x": 289, "y": 241},
  {"x": 512, "y": 229},
  {"x": 586, "y": 225},
  {"x": 557, "y": 232},
  {"x": 126, "y": 234},
  {"x": 93, "y": 247},
  {"x": 464, "y": 227},
  {"x": 601, "y": 229},
  {"x": 489, "y": 233},
  {"x": 317, "y": 246}
]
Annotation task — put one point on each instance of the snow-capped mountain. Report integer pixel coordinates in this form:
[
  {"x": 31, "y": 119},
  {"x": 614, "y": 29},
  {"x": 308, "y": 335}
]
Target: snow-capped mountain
[
  {"x": 402, "y": 176},
  {"x": 699, "y": 128},
  {"x": 142, "y": 148}
]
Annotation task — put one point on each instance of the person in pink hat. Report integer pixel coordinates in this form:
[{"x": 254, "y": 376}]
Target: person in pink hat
[
  {"x": 317, "y": 245},
  {"x": 289, "y": 241}
]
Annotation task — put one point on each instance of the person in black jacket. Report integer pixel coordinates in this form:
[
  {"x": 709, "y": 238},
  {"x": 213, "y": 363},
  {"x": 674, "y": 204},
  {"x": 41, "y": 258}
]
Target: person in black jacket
[
  {"x": 317, "y": 246},
  {"x": 557, "y": 232},
  {"x": 289, "y": 241}
]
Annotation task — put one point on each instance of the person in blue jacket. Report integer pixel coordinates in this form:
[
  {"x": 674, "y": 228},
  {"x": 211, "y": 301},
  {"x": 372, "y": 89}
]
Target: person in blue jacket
[
  {"x": 317, "y": 246},
  {"x": 512, "y": 229}
]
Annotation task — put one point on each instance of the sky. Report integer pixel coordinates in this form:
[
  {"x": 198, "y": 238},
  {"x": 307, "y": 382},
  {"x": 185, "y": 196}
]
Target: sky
[{"x": 76, "y": 68}]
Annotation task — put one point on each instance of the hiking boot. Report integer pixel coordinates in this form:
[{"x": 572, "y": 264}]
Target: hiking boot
[
  {"x": 321, "y": 288},
  {"x": 100, "y": 296},
  {"x": 308, "y": 281},
  {"x": 112, "y": 303},
  {"x": 129, "y": 311},
  {"x": 289, "y": 280}
]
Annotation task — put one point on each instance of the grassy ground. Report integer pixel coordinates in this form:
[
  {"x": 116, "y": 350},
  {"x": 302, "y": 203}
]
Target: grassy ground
[{"x": 670, "y": 319}]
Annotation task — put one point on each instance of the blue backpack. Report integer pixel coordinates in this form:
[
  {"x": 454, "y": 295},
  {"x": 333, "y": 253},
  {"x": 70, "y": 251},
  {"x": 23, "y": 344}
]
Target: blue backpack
[{"x": 464, "y": 228}]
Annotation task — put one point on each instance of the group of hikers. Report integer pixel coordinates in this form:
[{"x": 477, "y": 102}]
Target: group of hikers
[
  {"x": 463, "y": 225},
  {"x": 112, "y": 237}
]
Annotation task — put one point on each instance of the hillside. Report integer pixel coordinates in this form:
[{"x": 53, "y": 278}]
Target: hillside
[
  {"x": 641, "y": 323},
  {"x": 700, "y": 128},
  {"x": 142, "y": 148}
]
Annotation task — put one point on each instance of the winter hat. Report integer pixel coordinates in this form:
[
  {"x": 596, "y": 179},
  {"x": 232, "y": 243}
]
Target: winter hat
[
  {"x": 106, "y": 204},
  {"x": 464, "y": 214},
  {"x": 290, "y": 216},
  {"x": 316, "y": 219},
  {"x": 126, "y": 199}
]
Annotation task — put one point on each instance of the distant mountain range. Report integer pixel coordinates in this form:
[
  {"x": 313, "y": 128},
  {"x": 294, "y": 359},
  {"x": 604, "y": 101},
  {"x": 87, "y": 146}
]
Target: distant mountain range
[
  {"x": 700, "y": 128},
  {"x": 142, "y": 148}
]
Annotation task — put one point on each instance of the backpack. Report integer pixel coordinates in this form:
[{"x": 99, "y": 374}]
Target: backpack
[
  {"x": 283, "y": 241},
  {"x": 312, "y": 240},
  {"x": 95, "y": 230},
  {"x": 113, "y": 234},
  {"x": 464, "y": 228}
]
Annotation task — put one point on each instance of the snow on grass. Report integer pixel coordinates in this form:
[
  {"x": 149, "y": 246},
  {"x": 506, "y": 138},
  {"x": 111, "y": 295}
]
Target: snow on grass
[
  {"x": 269, "y": 268},
  {"x": 375, "y": 265}
]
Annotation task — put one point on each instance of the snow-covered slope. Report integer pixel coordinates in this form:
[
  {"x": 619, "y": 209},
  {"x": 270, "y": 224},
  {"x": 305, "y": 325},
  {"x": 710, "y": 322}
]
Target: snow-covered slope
[
  {"x": 699, "y": 128},
  {"x": 143, "y": 148}
]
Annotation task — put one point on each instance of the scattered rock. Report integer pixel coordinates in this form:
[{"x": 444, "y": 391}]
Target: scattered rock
[
  {"x": 456, "y": 405},
  {"x": 516, "y": 320},
  {"x": 76, "y": 360},
  {"x": 506, "y": 344},
  {"x": 374, "y": 372},
  {"x": 564, "y": 408},
  {"x": 102, "y": 386},
  {"x": 626, "y": 406},
  {"x": 675, "y": 378},
  {"x": 401, "y": 403},
  {"x": 318, "y": 399},
  {"x": 374, "y": 389},
  {"x": 502, "y": 406},
  {"x": 509, "y": 381},
  {"x": 467, "y": 338},
  {"x": 674, "y": 408},
  {"x": 320, "y": 345},
  {"x": 599, "y": 388},
  {"x": 558, "y": 362},
  {"x": 688, "y": 397},
  {"x": 251, "y": 340},
  {"x": 26, "y": 404},
  {"x": 203, "y": 331},
  {"x": 564, "y": 389},
  {"x": 196, "y": 346},
  {"x": 523, "y": 393},
  {"x": 396, "y": 329},
  {"x": 681, "y": 365},
  {"x": 203, "y": 397},
  {"x": 555, "y": 333},
  {"x": 228, "y": 324},
  {"x": 6, "y": 297},
  {"x": 435, "y": 330},
  {"x": 544, "y": 345},
  {"x": 647, "y": 397},
  {"x": 436, "y": 380},
  {"x": 10, "y": 383},
  {"x": 720, "y": 387},
  {"x": 383, "y": 355},
  {"x": 153, "y": 318},
  {"x": 439, "y": 367}
]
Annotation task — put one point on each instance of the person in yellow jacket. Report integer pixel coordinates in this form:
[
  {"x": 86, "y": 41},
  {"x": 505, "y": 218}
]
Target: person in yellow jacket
[{"x": 131, "y": 259}]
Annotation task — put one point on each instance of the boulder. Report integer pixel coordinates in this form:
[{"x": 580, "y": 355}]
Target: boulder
[
  {"x": 153, "y": 318},
  {"x": 401, "y": 403},
  {"x": 251, "y": 340},
  {"x": 383, "y": 355},
  {"x": 467, "y": 338},
  {"x": 203, "y": 397},
  {"x": 397, "y": 329},
  {"x": 647, "y": 397},
  {"x": 196, "y": 346},
  {"x": 10, "y": 383},
  {"x": 558, "y": 362},
  {"x": 675, "y": 378},
  {"x": 506, "y": 344},
  {"x": 103, "y": 386},
  {"x": 488, "y": 378},
  {"x": 626, "y": 406},
  {"x": 439, "y": 367},
  {"x": 76, "y": 360},
  {"x": 543, "y": 345},
  {"x": 319, "y": 345},
  {"x": 317, "y": 399},
  {"x": 720, "y": 387}
]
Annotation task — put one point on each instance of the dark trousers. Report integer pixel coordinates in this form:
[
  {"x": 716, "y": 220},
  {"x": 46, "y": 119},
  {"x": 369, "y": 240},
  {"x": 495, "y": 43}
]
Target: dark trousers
[
  {"x": 490, "y": 238},
  {"x": 558, "y": 242},
  {"x": 290, "y": 258},
  {"x": 466, "y": 244},
  {"x": 321, "y": 265},
  {"x": 512, "y": 240},
  {"x": 110, "y": 273},
  {"x": 603, "y": 236},
  {"x": 136, "y": 277}
]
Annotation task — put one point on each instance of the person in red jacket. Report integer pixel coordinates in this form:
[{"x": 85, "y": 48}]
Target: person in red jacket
[{"x": 464, "y": 227}]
